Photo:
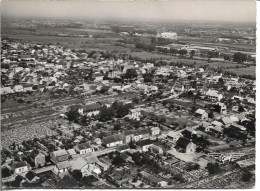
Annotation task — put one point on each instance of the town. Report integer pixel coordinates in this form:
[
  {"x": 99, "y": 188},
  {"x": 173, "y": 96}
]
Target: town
[{"x": 171, "y": 113}]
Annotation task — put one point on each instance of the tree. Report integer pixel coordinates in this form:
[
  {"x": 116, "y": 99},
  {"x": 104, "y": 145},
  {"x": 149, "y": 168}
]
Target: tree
[
  {"x": 73, "y": 115},
  {"x": 117, "y": 126},
  {"x": 148, "y": 77},
  {"x": 239, "y": 57},
  {"x": 246, "y": 176},
  {"x": 227, "y": 57},
  {"x": 117, "y": 161},
  {"x": 136, "y": 100},
  {"x": 77, "y": 174},
  {"x": 192, "y": 53},
  {"x": 211, "y": 115},
  {"x": 130, "y": 74},
  {"x": 182, "y": 52},
  {"x": 23, "y": 65},
  {"x": 241, "y": 108},
  {"x": 213, "y": 168},
  {"x": 192, "y": 166},
  {"x": 106, "y": 114},
  {"x": 173, "y": 51},
  {"x": 6, "y": 172}
]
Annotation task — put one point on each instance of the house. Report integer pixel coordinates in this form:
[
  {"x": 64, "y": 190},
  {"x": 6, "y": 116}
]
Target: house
[
  {"x": 6, "y": 90},
  {"x": 81, "y": 164},
  {"x": 155, "y": 132},
  {"x": 102, "y": 165},
  {"x": 128, "y": 136},
  {"x": 31, "y": 177},
  {"x": 173, "y": 136},
  {"x": 238, "y": 127},
  {"x": 18, "y": 88},
  {"x": 226, "y": 121},
  {"x": 204, "y": 124},
  {"x": 143, "y": 145},
  {"x": 77, "y": 108},
  {"x": 61, "y": 167},
  {"x": 213, "y": 95},
  {"x": 220, "y": 107},
  {"x": 59, "y": 156},
  {"x": 92, "y": 109},
  {"x": 20, "y": 167},
  {"x": 72, "y": 153},
  {"x": 141, "y": 133},
  {"x": 83, "y": 148},
  {"x": 97, "y": 77},
  {"x": 114, "y": 74},
  {"x": 177, "y": 88},
  {"x": 156, "y": 148},
  {"x": 216, "y": 130},
  {"x": 97, "y": 141},
  {"x": 122, "y": 148},
  {"x": 112, "y": 141},
  {"x": 92, "y": 162},
  {"x": 201, "y": 114},
  {"x": 105, "y": 103},
  {"x": 135, "y": 114},
  {"x": 185, "y": 145},
  {"x": 126, "y": 158},
  {"x": 181, "y": 74},
  {"x": 217, "y": 123},
  {"x": 38, "y": 158}
]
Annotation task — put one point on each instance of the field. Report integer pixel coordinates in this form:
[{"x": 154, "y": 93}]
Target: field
[
  {"x": 244, "y": 71},
  {"x": 106, "y": 40}
]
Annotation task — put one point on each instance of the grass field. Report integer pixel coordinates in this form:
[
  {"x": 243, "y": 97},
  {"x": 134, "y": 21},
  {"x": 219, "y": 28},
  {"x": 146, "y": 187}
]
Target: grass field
[{"x": 251, "y": 70}]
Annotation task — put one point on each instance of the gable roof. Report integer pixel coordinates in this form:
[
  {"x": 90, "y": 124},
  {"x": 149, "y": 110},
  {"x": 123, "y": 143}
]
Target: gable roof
[
  {"x": 183, "y": 142},
  {"x": 30, "y": 175},
  {"x": 93, "y": 106},
  {"x": 155, "y": 129},
  {"x": 83, "y": 146},
  {"x": 144, "y": 142},
  {"x": 78, "y": 163},
  {"x": 71, "y": 152},
  {"x": 92, "y": 159},
  {"x": 19, "y": 164},
  {"x": 142, "y": 131},
  {"x": 63, "y": 164},
  {"x": 201, "y": 111},
  {"x": 60, "y": 153},
  {"x": 112, "y": 139},
  {"x": 217, "y": 123},
  {"x": 122, "y": 147},
  {"x": 174, "y": 133},
  {"x": 227, "y": 120},
  {"x": 129, "y": 132}
]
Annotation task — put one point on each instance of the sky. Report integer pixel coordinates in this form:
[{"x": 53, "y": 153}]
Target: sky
[{"x": 175, "y": 10}]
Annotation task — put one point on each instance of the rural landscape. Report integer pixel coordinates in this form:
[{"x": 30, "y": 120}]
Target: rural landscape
[{"x": 127, "y": 103}]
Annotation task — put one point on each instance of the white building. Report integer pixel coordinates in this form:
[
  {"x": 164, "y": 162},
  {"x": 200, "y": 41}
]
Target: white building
[{"x": 169, "y": 35}]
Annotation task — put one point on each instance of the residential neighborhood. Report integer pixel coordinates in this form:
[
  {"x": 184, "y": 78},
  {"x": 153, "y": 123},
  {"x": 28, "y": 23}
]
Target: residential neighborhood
[{"x": 84, "y": 117}]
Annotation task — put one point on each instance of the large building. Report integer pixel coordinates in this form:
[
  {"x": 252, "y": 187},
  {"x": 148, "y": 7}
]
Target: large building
[{"x": 169, "y": 35}]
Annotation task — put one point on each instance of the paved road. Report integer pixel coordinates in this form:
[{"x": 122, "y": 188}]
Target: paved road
[
  {"x": 44, "y": 169},
  {"x": 103, "y": 152}
]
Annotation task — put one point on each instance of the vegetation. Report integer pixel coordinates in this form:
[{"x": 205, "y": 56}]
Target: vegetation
[{"x": 213, "y": 168}]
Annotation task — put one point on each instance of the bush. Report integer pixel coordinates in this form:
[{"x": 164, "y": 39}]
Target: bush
[
  {"x": 213, "y": 168},
  {"x": 246, "y": 176}
]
